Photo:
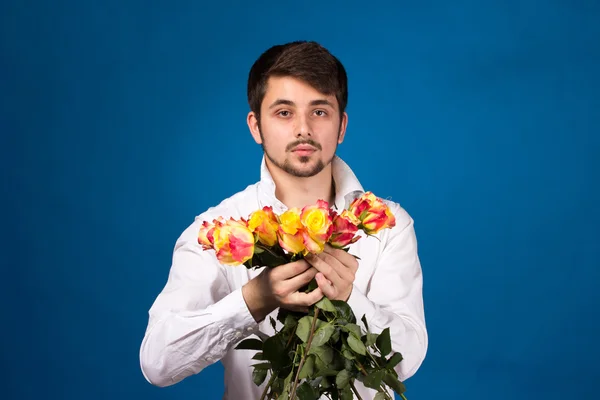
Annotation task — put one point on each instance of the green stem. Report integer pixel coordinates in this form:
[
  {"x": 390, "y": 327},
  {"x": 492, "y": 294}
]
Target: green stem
[
  {"x": 264, "y": 393},
  {"x": 355, "y": 391},
  {"x": 305, "y": 355},
  {"x": 364, "y": 372}
]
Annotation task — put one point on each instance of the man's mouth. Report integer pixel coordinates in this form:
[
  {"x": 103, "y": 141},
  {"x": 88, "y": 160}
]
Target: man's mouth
[{"x": 304, "y": 150}]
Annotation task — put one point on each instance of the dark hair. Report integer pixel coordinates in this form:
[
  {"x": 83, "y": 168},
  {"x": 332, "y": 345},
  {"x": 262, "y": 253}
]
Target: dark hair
[{"x": 304, "y": 60}]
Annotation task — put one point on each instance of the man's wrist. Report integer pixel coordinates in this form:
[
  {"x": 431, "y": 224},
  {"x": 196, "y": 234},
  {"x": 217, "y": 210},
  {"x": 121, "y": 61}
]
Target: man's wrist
[{"x": 259, "y": 303}]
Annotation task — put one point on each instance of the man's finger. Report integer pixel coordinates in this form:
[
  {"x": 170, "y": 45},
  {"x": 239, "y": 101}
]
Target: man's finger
[
  {"x": 306, "y": 299},
  {"x": 325, "y": 268},
  {"x": 290, "y": 270},
  {"x": 296, "y": 282},
  {"x": 342, "y": 270},
  {"x": 344, "y": 257},
  {"x": 326, "y": 287}
]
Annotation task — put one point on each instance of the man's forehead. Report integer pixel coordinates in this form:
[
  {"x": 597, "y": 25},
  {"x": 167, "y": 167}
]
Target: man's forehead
[{"x": 293, "y": 91}]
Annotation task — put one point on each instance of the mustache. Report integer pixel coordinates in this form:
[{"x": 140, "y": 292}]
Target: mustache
[{"x": 299, "y": 142}]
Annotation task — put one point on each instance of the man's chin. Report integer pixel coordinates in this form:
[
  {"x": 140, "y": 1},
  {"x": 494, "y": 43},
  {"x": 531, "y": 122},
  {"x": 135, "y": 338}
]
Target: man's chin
[{"x": 304, "y": 167}]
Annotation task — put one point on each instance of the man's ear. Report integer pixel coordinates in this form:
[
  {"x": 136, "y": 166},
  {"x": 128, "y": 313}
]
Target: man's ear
[
  {"x": 253, "y": 125},
  {"x": 343, "y": 125}
]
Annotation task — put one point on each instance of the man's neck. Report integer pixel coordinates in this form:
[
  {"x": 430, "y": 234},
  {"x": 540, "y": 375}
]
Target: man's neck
[{"x": 299, "y": 192}]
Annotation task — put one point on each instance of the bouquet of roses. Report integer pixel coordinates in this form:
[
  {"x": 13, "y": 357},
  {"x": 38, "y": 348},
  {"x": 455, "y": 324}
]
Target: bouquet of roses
[{"x": 324, "y": 351}]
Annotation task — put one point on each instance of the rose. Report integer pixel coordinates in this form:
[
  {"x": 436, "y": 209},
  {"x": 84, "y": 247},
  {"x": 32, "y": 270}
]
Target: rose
[
  {"x": 317, "y": 223},
  {"x": 233, "y": 241},
  {"x": 345, "y": 226},
  {"x": 289, "y": 232},
  {"x": 373, "y": 213},
  {"x": 263, "y": 223},
  {"x": 205, "y": 234},
  {"x": 205, "y": 237}
]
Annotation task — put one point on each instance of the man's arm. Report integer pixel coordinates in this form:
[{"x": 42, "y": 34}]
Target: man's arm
[
  {"x": 395, "y": 296},
  {"x": 195, "y": 319}
]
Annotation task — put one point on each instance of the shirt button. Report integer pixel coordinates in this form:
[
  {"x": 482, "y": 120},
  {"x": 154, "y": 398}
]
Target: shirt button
[
  {"x": 249, "y": 329},
  {"x": 209, "y": 359},
  {"x": 238, "y": 334}
]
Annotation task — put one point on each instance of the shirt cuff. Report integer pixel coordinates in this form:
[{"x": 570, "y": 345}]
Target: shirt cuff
[
  {"x": 236, "y": 320},
  {"x": 361, "y": 305}
]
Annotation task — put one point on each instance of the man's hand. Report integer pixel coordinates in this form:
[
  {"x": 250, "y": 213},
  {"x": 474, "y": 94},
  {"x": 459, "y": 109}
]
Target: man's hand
[
  {"x": 337, "y": 270},
  {"x": 278, "y": 287}
]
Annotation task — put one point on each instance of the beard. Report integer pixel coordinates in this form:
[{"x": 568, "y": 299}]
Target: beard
[
  {"x": 297, "y": 172},
  {"x": 287, "y": 166}
]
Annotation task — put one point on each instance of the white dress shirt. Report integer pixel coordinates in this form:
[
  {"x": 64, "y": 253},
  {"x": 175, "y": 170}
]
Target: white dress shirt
[{"x": 201, "y": 315}]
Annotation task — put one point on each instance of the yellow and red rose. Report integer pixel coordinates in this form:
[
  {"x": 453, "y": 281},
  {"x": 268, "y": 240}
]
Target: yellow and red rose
[
  {"x": 290, "y": 232},
  {"x": 263, "y": 223},
  {"x": 232, "y": 240},
  {"x": 317, "y": 223},
  {"x": 345, "y": 226},
  {"x": 373, "y": 214}
]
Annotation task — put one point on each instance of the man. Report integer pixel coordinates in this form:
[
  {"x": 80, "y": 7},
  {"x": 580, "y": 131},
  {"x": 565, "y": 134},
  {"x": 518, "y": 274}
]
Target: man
[{"x": 297, "y": 94}]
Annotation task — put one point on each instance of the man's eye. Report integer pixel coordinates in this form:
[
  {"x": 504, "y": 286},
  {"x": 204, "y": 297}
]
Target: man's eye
[
  {"x": 320, "y": 113},
  {"x": 284, "y": 113}
]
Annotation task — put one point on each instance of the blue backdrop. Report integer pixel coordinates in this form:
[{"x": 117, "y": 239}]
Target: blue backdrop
[{"x": 117, "y": 125}]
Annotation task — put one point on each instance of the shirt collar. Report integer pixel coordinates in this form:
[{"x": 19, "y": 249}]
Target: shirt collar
[{"x": 347, "y": 185}]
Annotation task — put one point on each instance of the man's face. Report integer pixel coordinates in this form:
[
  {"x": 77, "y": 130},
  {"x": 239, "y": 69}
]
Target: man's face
[{"x": 300, "y": 128}]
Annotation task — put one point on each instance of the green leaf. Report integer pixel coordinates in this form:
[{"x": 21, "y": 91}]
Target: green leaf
[
  {"x": 324, "y": 353},
  {"x": 322, "y": 334},
  {"x": 373, "y": 380},
  {"x": 394, "y": 360},
  {"x": 290, "y": 321},
  {"x": 356, "y": 345},
  {"x": 250, "y": 344},
  {"x": 370, "y": 339},
  {"x": 325, "y": 304},
  {"x": 378, "y": 396},
  {"x": 323, "y": 369},
  {"x": 303, "y": 329},
  {"x": 277, "y": 385},
  {"x": 259, "y": 375},
  {"x": 308, "y": 369},
  {"x": 258, "y": 356},
  {"x": 344, "y": 311},
  {"x": 353, "y": 329},
  {"x": 274, "y": 351},
  {"x": 282, "y": 314},
  {"x": 346, "y": 394},
  {"x": 272, "y": 322},
  {"x": 394, "y": 382},
  {"x": 307, "y": 392},
  {"x": 347, "y": 352},
  {"x": 287, "y": 382},
  {"x": 336, "y": 335},
  {"x": 384, "y": 343},
  {"x": 348, "y": 364},
  {"x": 342, "y": 379}
]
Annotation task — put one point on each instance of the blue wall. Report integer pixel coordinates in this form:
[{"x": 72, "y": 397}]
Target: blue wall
[{"x": 481, "y": 120}]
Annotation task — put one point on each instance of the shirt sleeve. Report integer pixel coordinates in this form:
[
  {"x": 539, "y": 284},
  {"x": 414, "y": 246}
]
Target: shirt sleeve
[
  {"x": 394, "y": 298},
  {"x": 196, "y": 318}
]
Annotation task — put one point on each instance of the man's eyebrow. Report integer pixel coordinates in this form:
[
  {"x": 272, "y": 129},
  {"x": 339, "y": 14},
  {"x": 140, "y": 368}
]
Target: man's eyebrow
[
  {"x": 319, "y": 102},
  {"x": 280, "y": 102}
]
